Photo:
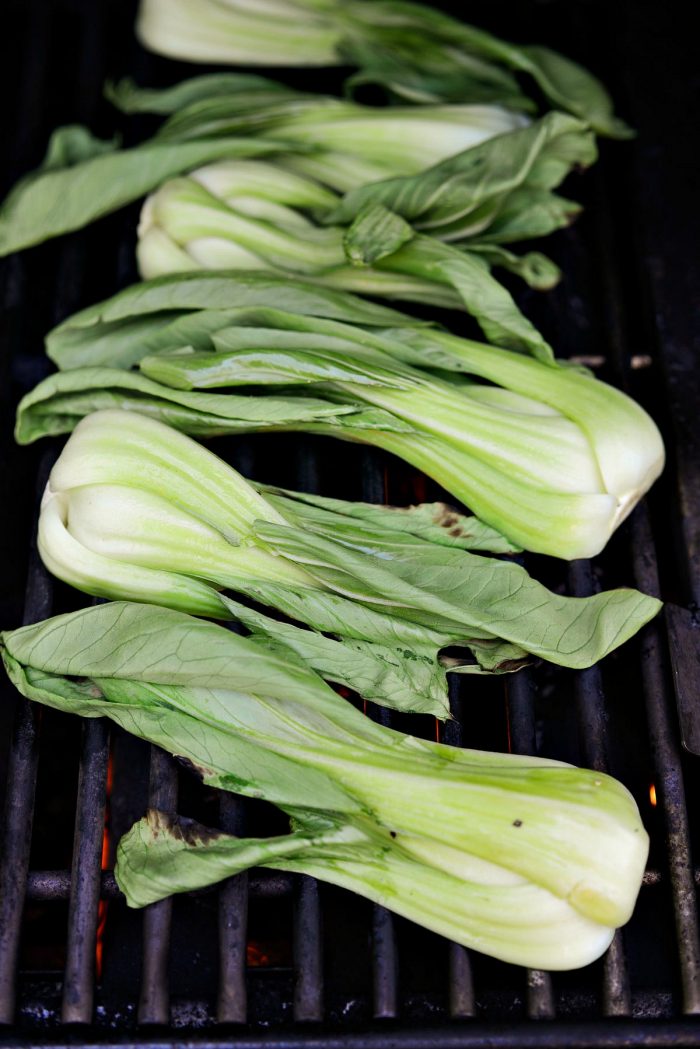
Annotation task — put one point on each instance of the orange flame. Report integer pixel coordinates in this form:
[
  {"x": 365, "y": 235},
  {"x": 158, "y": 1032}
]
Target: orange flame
[
  {"x": 652, "y": 795},
  {"x": 104, "y": 865}
]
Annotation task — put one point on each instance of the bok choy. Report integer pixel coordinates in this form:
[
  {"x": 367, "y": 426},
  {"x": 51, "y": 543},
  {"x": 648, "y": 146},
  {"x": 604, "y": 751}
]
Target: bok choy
[
  {"x": 341, "y": 142},
  {"x": 527, "y": 859},
  {"x": 135, "y": 510},
  {"x": 415, "y": 51},
  {"x": 391, "y": 238},
  {"x": 430, "y": 237},
  {"x": 547, "y": 455}
]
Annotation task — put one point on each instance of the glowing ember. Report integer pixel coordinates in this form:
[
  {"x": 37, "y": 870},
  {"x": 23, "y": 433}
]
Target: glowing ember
[
  {"x": 104, "y": 865},
  {"x": 261, "y": 954}
]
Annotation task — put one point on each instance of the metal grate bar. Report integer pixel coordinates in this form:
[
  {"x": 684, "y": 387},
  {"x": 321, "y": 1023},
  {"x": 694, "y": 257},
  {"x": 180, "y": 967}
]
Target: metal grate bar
[
  {"x": 385, "y": 958},
  {"x": 592, "y": 716},
  {"x": 385, "y": 961},
  {"x": 668, "y": 772},
  {"x": 18, "y": 819},
  {"x": 593, "y": 1034},
  {"x": 264, "y": 885},
  {"x": 308, "y": 952},
  {"x": 24, "y": 749},
  {"x": 308, "y": 945},
  {"x": 385, "y": 964},
  {"x": 78, "y": 986},
  {"x": 21, "y": 773},
  {"x": 232, "y": 1003},
  {"x": 461, "y": 983},
  {"x": 154, "y": 1001},
  {"x": 617, "y": 997},
  {"x": 660, "y": 713},
  {"x": 460, "y": 979},
  {"x": 540, "y": 995},
  {"x": 521, "y": 723},
  {"x": 590, "y": 699}
]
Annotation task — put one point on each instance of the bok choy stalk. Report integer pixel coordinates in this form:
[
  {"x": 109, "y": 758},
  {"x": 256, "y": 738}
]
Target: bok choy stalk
[
  {"x": 415, "y": 51},
  {"x": 389, "y": 239},
  {"x": 527, "y": 859},
  {"x": 135, "y": 510},
  {"x": 345, "y": 144},
  {"x": 338, "y": 141},
  {"x": 548, "y": 455}
]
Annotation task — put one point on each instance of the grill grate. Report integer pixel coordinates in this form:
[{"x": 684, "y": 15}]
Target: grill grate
[{"x": 356, "y": 976}]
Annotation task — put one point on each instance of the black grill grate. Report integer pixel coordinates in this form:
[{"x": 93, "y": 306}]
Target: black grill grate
[{"x": 355, "y": 976}]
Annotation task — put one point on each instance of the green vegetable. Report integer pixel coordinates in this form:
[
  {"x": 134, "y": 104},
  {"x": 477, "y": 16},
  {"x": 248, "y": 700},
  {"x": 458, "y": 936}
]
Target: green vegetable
[
  {"x": 352, "y": 143},
  {"x": 547, "y": 455},
  {"x": 387, "y": 240},
  {"x": 83, "y": 178},
  {"x": 479, "y": 193},
  {"x": 248, "y": 214},
  {"x": 181, "y": 310},
  {"x": 527, "y": 859},
  {"x": 135, "y": 510},
  {"x": 415, "y": 51}
]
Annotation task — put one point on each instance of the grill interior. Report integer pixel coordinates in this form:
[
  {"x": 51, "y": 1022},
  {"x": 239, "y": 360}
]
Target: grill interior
[{"x": 277, "y": 960}]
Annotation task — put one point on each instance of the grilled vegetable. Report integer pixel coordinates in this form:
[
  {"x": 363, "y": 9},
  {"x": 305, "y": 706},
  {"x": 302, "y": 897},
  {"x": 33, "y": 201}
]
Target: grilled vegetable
[
  {"x": 527, "y": 859},
  {"x": 135, "y": 510},
  {"x": 415, "y": 51},
  {"x": 549, "y": 456},
  {"x": 336, "y": 140},
  {"x": 232, "y": 116},
  {"x": 430, "y": 237}
]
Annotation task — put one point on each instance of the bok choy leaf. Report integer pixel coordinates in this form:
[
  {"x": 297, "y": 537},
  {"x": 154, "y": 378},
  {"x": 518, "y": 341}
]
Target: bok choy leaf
[
  {"x": 178, "y": 310},
  {"x": 527, "y": 859},
  {"x": 136, "y": 511},
  {"x": 415, "y": 51},
  {"x": 385, "y": 238},
  {"x": 83, "y": 178},
  {"x": 546, "y": 454}
]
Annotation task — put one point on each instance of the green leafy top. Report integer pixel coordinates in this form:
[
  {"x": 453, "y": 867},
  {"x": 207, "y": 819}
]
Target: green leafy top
[
  {"x": 546, "y": 454},
  {"x": 83, "y": 178},
  {"x": 464, "y": 194},
  {"x": 416, "y": 52},
  {"x": 135, "y": 510},
  {"x": 386, "y": 814}
]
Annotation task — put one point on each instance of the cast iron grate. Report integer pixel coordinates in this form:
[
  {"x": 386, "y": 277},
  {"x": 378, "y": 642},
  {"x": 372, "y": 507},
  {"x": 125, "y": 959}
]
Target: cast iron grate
[{"x": 295, "y": 962}]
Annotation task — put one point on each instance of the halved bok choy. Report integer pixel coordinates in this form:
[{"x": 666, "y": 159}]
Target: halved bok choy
[
  {"x": 414, "y": 51},
  {"x": 527, "y": 859},
  {"x": 546, "y": 454},
  {"x": 341, "y": 142},
  {"x": 431, "y": 237},
  {"x": 393, "y": 599}
]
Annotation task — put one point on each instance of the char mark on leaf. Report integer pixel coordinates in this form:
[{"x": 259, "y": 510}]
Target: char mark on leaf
[{"x": 182, "y": 828}]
